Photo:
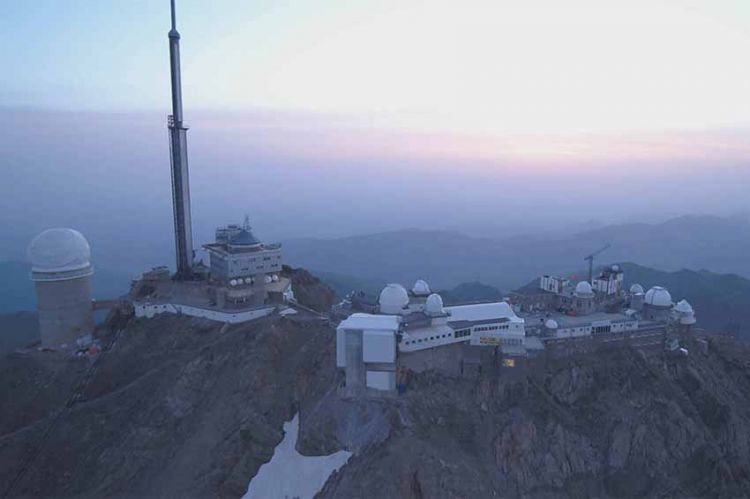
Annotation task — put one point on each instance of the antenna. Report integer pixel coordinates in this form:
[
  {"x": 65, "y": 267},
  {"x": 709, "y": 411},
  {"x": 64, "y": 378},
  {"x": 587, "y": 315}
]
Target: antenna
[
  {"x": 174, "y": 22},
  {"x": 183, "y": 232}
]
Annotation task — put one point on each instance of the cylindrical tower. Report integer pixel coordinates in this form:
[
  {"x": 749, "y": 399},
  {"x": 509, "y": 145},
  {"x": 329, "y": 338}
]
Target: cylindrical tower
[{"x": 61, "y": 268}]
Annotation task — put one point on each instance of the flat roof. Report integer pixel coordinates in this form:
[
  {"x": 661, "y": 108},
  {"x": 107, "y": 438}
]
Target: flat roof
[
  {"x": 370, "y": 321},
  {"x": 483, "y": 312},
  {"x": 222, "y": 248},
  {"x": 577, "y": 320}
]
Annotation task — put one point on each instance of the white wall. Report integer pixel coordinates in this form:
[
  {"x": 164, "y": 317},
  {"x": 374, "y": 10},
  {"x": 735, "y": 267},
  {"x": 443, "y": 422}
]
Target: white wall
[
  {"x": 381, "y": 380},
  {"x": 379, "y": 346},
  {"x": 340, "y": 347},
  {"x": 149, "y": 310}
]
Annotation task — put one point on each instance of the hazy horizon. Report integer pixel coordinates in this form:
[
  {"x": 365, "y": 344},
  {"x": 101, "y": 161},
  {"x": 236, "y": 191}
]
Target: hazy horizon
[{"x": 331, "y": 119}]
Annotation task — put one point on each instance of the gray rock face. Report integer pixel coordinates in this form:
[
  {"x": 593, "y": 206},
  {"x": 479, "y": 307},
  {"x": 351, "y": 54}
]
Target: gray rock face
[
  {"x": 177, "y": 408},
  {"x": 611, "y": 425}
]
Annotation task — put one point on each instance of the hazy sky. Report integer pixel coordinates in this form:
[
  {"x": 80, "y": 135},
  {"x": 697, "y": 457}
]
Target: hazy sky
[
  {"x": 473, "y": 67},
  {"x": 329, "y": 118}
]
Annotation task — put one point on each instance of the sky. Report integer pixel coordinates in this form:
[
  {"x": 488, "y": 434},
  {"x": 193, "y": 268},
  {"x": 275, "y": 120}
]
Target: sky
[
  {"x": 476, "y": 67},
  {"x": 326, "y": 118}
]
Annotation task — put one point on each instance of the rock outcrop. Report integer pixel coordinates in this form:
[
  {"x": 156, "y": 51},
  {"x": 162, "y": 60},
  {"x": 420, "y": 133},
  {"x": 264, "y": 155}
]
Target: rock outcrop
[
  {"x": 179, "y": 407},
  {"x": 612, "y": 425},
  {"x": 309, "y": 290},
  {"x": 183, "y": 407}
]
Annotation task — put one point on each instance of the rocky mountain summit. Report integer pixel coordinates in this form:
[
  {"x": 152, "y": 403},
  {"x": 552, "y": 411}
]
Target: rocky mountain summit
[
  {"x": 615, "y": 425},
  {"x": 182, "y": 407}
]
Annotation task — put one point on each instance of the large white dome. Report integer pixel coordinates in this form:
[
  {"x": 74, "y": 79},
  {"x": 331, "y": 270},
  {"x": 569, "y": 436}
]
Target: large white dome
[
  {"x": 393, "y": 299},
  {"x": 636, "y": 289},
  {"x": 434, "y": 305},
  {"x": 583, "y": 289},
  {"x": 551, "y": 324},
  {"x": 59, "y": 250},
  {"x": 421, "y": 288},
  {"x": 658, "y": 297}
]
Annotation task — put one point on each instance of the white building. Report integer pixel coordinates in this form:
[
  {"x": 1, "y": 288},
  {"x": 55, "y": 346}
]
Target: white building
[
  {"x": 366, "y": 350},
  {"x": 61, "y": 270},
  {"x": 238, "y": 255},
  {"x": 368, "y": 345}
]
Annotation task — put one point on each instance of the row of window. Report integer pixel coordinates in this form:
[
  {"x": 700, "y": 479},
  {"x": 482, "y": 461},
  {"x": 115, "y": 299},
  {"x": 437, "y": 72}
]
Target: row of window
[
  {"x": 449, "y": 335},
  {"x": 491, "y": 328},
  {"x": 463, "y": 332},
  {"x": 259, "y": 267},
  {"x": 265, "y": 258},
  {"x": 599, "y": 329}
]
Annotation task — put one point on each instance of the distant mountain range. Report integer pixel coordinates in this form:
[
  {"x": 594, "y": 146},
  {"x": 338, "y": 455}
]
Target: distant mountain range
[
  {"x": 721, "y": 301},
  {"x": 446, "y": 259},
  {"x": 450, "y": 260}
]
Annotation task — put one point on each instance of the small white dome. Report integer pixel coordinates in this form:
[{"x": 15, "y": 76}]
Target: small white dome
[
  {"x": 615, "y": 268},
  {"x": 583, "y": 289},
  {"x": 268, "y": 279},
  {"x": 393, "y": 299},
  {"x": 551, "y": 324},
  {"x": 233, "y": 282},
  {"x": 275, "y": 278},
  {"x": 60, "y": 250},
  {"x": 636, "y": 289},
  {"x": 658, "y": 297},
  {"x": 683, "y": 307},
  {"x": 421, "y": 288},
  {"x": 434, "y": 305}
]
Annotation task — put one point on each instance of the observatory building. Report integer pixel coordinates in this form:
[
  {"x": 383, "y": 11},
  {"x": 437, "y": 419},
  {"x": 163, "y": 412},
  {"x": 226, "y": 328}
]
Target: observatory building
[
  {"x": 378, "y": 343},
  {"x": 405, "y": 326},
  {"x": 61, "y": 268}
]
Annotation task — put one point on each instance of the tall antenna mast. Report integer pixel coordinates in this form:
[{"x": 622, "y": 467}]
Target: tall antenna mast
[{"x": 178, "y": 152}]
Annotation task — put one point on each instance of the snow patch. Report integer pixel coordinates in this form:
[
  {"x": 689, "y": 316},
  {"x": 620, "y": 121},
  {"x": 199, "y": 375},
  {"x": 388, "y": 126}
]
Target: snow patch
[{"x": 289, "y": 474}]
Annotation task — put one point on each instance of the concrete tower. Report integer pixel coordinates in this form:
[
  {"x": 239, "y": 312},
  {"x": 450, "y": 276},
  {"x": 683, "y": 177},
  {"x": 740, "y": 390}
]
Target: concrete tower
[
  {"x": 61, "y": 268},
  {"x": 183, "y": 232}
]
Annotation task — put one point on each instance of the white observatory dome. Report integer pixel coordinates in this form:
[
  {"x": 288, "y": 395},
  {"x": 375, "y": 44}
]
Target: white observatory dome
[
  {"x": 434, "y": 305},
  {"x": 683, "y": 307},
  {"x": 636, "y": 289},
  {"x": 60, "y": 250},
  {"x": 393, "y": 299},
  {"x": 583, "y": 289},
  {"x": 551, "y": 324},
  {"x": 615, "y": 268},
  {"x": 421, "y": 288},
  {"x": 685, "y": 312},
  {"x": 658, "y": 297}
]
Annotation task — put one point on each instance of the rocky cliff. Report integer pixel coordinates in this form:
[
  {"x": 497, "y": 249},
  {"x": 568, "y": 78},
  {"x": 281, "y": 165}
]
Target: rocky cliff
[
  {"x": 180, "y": 407},
  {"x": 614, "y": 425}
]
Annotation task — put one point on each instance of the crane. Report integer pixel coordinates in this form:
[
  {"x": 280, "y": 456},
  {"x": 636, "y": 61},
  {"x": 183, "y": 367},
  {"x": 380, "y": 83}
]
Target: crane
[{"x": 590, "y": 259}]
